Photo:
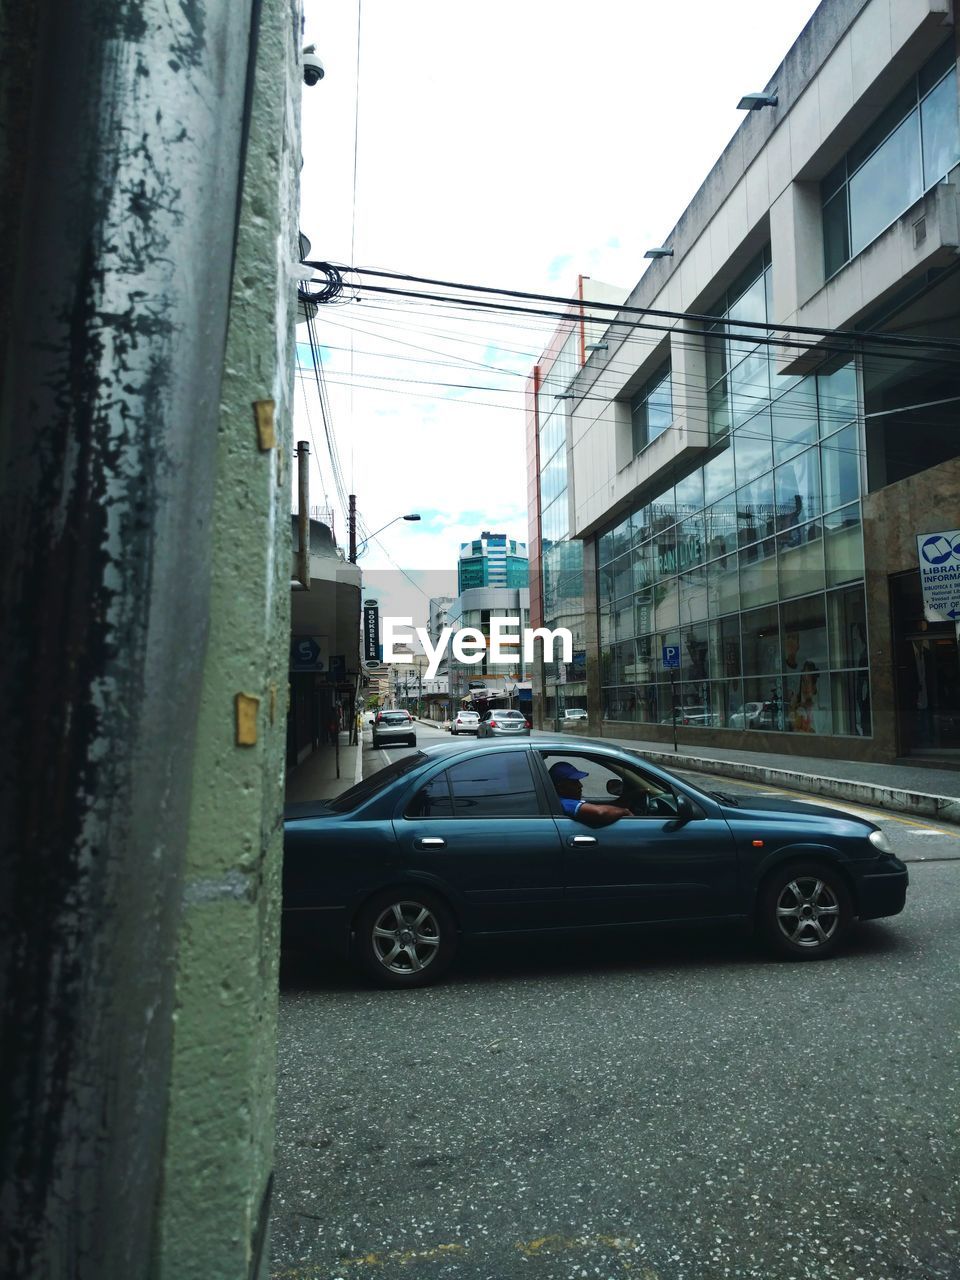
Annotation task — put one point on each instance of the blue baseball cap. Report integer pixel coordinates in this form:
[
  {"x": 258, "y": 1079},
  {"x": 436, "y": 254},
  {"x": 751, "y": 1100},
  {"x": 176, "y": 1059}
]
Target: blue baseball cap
[{"x": 563, "y": 769}]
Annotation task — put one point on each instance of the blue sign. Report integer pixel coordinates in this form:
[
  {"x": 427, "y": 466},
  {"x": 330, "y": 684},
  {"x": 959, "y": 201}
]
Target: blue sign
[{"x": 671, "y": 656}]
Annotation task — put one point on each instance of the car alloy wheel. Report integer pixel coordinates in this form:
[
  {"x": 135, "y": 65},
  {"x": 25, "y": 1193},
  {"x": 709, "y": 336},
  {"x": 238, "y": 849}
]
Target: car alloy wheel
[
  {"x": 405, "y": 938},
  {"x": 805, "y": 910}
]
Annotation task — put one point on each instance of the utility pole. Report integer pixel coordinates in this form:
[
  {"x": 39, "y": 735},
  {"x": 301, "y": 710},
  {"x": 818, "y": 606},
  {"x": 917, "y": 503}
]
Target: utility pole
[
  {"x": 303, "y": 513},
  {"x": 352, "y": 527}
]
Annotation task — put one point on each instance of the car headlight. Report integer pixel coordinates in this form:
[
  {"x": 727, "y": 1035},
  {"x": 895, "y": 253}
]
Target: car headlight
[{"x": 879, "y": 841}]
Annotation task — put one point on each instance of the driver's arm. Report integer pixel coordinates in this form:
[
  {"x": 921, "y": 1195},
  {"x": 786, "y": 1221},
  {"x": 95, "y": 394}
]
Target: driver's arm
[{"x": 601, "y": 815}]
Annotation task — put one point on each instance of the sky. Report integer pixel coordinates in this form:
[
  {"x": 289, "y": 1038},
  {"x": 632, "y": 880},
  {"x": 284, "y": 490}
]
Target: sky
[{"x": 513, "y": 144}]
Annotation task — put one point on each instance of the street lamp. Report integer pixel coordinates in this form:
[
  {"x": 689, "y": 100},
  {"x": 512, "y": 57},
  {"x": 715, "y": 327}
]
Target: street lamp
[{"x": 356, "y": 549}]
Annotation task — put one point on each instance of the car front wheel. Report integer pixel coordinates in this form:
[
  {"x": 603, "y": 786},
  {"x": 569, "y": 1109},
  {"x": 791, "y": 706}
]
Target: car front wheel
[
  {"x": 405, "y": 938},
  {"x": 805, "y": 910}
]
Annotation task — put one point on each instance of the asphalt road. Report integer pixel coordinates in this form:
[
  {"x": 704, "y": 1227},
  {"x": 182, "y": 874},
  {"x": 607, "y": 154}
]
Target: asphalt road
[{"x": 662, "y": 1108}]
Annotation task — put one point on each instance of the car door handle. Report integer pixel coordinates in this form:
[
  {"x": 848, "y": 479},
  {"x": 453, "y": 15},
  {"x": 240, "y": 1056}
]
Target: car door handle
[
  {"x": 430, "y": 842},
  {"x": 582, "y": 840}
]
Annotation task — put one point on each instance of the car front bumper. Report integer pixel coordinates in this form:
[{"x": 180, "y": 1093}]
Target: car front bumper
[{"x": 882, "y": 891}]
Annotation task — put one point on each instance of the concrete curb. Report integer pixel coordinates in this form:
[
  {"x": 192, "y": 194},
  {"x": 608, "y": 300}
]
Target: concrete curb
[{"x": 916, "y": 803}]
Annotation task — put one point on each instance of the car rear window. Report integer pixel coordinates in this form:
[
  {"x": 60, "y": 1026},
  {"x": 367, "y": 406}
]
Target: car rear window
[
  {"x": 369, "y": 787},
  {"x": 394, "y": 717},
  {"x": 495, "y": 785}
]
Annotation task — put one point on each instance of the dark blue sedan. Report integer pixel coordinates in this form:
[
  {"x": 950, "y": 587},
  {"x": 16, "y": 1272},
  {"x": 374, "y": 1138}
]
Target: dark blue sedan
[{"x": 447, "y": 844}]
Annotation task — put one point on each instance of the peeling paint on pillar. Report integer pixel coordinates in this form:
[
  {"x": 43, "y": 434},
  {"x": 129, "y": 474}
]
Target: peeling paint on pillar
[{"x": 110, "y": 451}]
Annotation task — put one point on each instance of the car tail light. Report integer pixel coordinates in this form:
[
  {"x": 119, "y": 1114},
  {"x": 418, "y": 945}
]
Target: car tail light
[
  {"x": 528, "y": 723},
  {"x": 493, "y": 724}
]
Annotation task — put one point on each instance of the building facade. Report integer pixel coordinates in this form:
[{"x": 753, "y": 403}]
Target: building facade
[
  {"x": 484, "y": 683},
  {"x": 730, "y": 488},
  {"x": 492, "y": 560},
  {"x": 556, "y": 557}
]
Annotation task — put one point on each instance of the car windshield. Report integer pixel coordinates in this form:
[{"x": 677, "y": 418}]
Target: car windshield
[{"x": 363, "y": 791}]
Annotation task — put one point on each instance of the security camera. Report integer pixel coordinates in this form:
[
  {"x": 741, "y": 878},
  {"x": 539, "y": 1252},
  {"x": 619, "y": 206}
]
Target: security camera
[{"x": 312, "y": 66}]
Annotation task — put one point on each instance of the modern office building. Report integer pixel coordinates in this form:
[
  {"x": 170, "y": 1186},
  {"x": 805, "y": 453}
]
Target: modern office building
[
  {"x": 556, "y": 558},
  {"x": 746, "y": 474},
  {"x": 485, "y": 683},
  {"x": 492, "y": 560}
]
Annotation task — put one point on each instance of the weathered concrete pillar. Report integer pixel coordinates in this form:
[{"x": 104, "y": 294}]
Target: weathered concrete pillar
[{"x": 123, "y": 129}]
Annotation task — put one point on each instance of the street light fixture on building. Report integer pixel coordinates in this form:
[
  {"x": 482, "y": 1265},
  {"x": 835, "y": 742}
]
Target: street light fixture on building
[
  {"x": 660, "y": 252},
  {"x": 755, "y": 101}
]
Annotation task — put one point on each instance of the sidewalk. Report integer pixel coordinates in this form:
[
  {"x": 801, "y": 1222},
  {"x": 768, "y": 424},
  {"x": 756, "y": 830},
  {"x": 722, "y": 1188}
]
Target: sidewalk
[
  {"x": 316, "y": 777},
  {"x": 902, "y": 788},
  {"x": 913, "y": 789}
]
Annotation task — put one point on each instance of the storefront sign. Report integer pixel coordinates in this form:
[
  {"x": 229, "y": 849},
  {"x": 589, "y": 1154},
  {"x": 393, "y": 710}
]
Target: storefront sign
[
  {"x": 371, "y": 631},
  {"x": 309, "y": 653},
  {"x": 939, "y": 557}
]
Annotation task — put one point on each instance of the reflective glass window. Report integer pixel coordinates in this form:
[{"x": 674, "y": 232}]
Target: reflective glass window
[
  {"x": 723, "y": 585},
  {"x": 688, "y": 494},
  {"x": 693, "y": 595},
  {"x": 751, "y": 448},
  {"x": 651, "y": 409},
  {"x": 497, "y": 784},
  {"x": 694, "y": 653},
  {"x": 850, "y": 699},
  {"x": 718, "y": 476},
  {"x": 750, "y": 385},
  {"x": 794, "y": 420},
  {"x": 886, "y": 184},
  {"x": 804, "y": 633},
  {"x": 843, "y": 545},
  {"x": 798, "y": 489},
  {"x": 840, "y": 468},
  {"x": 938, "y": 124},
  {"x": 911, "y": 145},
  {"x": 837, "y": 398},
  {"x": 760, "y": 641},
  {"x": 800, "y": 559},
  {"x": 847, "y": 614},
  {"x": 721, "y": 528},
  {"x": 758, "y": 574}
]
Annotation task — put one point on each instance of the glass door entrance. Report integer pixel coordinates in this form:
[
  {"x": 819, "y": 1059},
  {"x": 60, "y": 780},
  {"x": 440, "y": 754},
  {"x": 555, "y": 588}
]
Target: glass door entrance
[
  {"x": 928, "y": 674},
  {"x": 936, "y": 710}
]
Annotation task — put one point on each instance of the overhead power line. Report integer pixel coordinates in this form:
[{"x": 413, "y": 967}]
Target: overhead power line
[{"x": 570, "y": 305}]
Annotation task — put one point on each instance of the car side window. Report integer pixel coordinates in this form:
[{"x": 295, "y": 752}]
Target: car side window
[
  {"x": 494, "y": 785},
  {"x": 609, "y": 782},
  {"x": 432, "y": 800}
]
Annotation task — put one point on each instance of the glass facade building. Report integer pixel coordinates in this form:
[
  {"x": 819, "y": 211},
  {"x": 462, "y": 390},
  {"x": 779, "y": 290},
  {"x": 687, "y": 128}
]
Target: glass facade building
[
  {"x": 911, "y": 146},
  {"x": 492, "y": 560},
  {"x": 561, "y": 561},
  {"x": 751, "y": 562},
  {"x": 742, "y": 480}
]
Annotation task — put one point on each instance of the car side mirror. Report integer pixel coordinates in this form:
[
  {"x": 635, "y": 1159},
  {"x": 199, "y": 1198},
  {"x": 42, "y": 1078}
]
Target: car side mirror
[
  {"x": 615, "y": 787},
  {"x": 684, "y": 811}
]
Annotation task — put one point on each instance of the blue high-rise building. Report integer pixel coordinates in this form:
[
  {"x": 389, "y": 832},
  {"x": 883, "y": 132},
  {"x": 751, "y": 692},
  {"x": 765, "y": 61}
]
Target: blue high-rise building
[{"x": 492, "y": 560}]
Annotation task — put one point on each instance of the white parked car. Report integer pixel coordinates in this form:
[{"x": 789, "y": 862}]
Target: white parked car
[
  {"x": 465, "y": 722},
  {"x": 574, "y": 715}
]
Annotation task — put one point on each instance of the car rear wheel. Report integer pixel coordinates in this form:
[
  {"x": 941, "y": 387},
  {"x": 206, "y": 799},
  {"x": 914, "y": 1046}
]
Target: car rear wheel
[
  {"x": 805, "y": 910},
  {"x": 405, "y": 938}
]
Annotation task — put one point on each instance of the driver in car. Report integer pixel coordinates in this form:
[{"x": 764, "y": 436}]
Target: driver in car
[{"x": 568, "y": 782}]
